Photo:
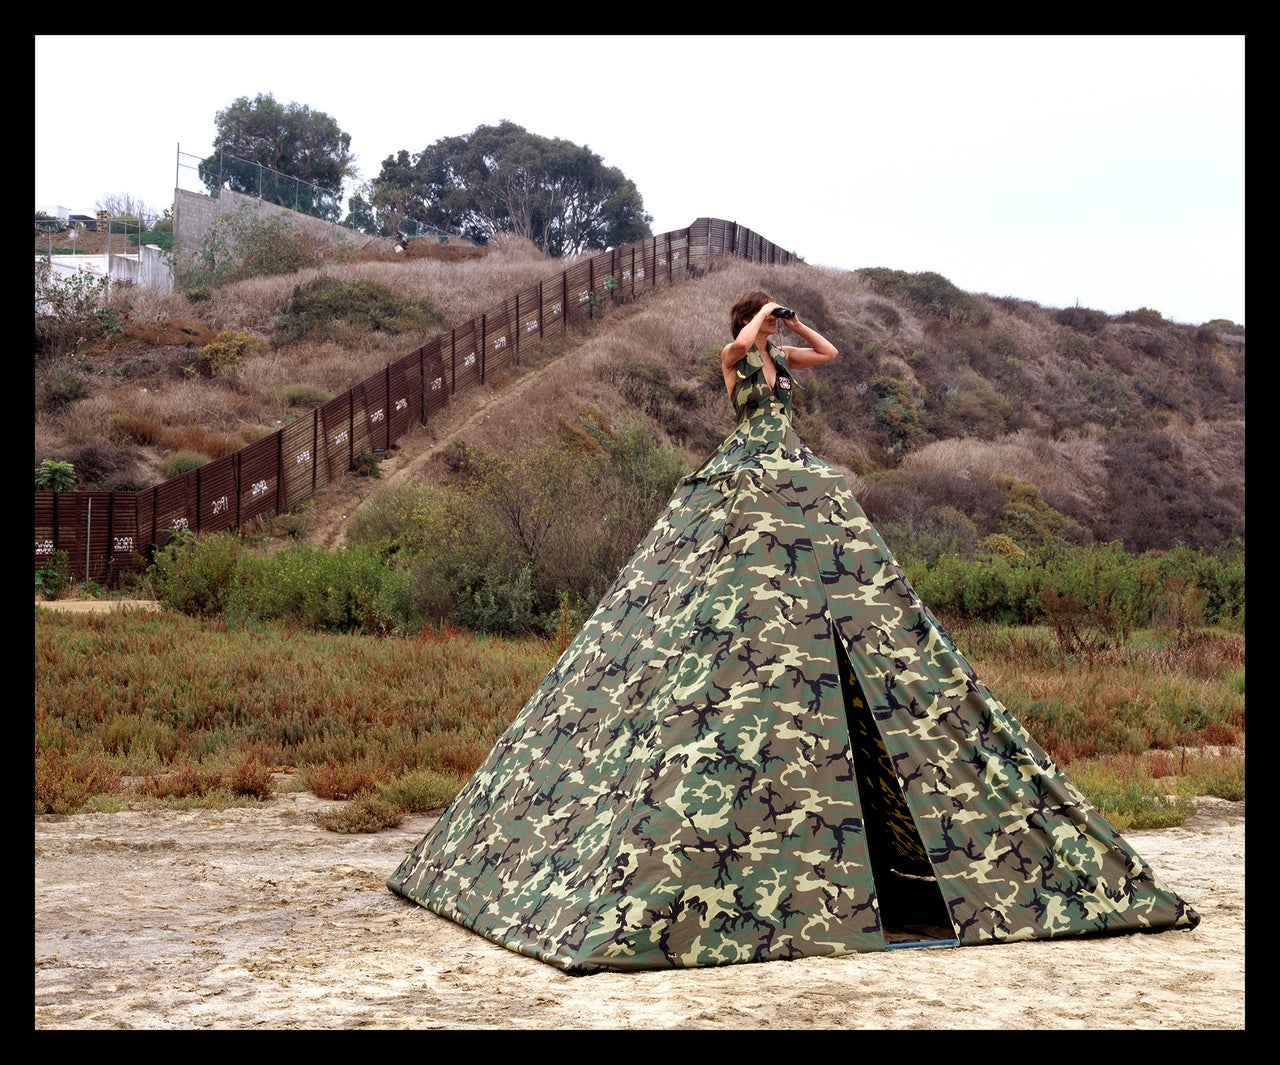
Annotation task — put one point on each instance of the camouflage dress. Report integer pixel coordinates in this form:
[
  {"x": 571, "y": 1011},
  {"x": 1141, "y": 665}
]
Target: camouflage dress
[{"x": 763, "y": 746}]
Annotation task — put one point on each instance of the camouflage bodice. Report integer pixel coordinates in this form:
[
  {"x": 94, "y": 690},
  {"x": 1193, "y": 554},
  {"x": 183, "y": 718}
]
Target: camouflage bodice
[{"x": 752, "y": 393}]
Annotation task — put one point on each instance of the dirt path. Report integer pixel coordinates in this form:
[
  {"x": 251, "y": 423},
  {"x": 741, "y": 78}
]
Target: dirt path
[{"x": 259, "y": 918}]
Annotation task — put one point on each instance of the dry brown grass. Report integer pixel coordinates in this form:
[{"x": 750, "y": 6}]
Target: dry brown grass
[{"x": 1069, "y": 470}]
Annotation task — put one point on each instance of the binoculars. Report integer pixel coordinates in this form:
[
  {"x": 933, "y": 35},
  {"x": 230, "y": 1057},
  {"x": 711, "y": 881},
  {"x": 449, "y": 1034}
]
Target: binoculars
[{"x": 784, "y": 312}]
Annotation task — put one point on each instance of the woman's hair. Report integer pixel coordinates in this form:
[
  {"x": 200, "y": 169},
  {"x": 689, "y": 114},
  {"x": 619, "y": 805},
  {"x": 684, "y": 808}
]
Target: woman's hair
[{"x": 744, "y": 309}]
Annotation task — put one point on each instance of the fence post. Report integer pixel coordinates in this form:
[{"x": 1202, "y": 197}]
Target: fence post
[{"x": 386, "y": 418}]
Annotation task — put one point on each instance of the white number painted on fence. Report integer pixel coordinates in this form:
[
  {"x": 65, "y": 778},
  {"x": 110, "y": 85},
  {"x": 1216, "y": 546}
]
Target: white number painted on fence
[
  {"x": 219, "y": 505},
  {"x": 402, "y": 404},
  {"x": 557, "y": 308},
  {"x": 342, "y": 437},
  {"x": 44, "y": 547},
  {"x": 437, "y": 383},
  {"x": 122, "y": 543},
  {"x": 532, "y": 326},
  {"x": 303, "y": 457},
  {"x": 584, "y": 297},
  {"x": 499, "y": 343},
  {"x": 377, "y": 415},
  {"x": 259, "y": 488},
  {"x": 470, "y": 360}
]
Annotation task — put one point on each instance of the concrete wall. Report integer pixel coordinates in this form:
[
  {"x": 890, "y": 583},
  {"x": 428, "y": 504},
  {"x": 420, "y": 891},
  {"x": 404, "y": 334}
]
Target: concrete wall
[{"x": 194, "y": 216}]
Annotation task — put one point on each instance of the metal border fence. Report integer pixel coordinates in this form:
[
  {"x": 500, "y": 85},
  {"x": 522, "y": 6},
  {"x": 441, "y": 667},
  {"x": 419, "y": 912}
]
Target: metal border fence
[{"x": 108, "y": 535}]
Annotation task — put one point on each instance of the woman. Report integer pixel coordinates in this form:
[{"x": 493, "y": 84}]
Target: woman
[
  {"x": 752, "y": 320},
  {"x": 761, "y": 745}
]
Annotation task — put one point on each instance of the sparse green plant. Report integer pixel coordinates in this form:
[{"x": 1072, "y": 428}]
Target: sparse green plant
[
  {"x": 242, "y": 245},
  {"x": 421, "y": 791},
  {"x": 54, "y": 575},
  {"x": 365, "y": 464},
  {"x": 55, "y": 475},
  {"x": 69, "y": 310}
]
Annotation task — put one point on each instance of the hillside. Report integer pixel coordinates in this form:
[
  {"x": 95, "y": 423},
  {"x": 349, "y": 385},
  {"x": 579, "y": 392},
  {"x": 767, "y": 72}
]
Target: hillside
[{"x": 1131, "y": 426}]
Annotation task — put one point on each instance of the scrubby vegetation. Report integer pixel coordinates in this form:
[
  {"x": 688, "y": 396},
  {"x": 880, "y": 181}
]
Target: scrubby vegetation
[{"x": 164, "y": 708}]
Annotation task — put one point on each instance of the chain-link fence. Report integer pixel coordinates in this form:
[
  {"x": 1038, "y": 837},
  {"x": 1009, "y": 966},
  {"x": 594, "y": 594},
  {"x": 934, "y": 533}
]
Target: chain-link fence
[
  {"x": 212, "y": 173},
  {"x": 60, "y": 236}
]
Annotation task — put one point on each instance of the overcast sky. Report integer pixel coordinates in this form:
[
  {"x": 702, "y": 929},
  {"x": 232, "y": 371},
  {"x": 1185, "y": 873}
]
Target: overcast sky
[{"x": 1105, "y": 171}]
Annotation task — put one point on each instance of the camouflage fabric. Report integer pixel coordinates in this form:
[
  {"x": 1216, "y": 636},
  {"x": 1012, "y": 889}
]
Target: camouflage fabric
[{"x": 759, "y": 732}]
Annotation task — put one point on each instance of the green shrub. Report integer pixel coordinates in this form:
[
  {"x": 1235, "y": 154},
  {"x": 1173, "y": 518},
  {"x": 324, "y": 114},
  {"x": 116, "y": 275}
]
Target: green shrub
[
  {"x": 196, "y": 575},
  {"x": 929, "y": 291},
  {"x": 54, "y": 575},
  {"x": 365, "y": 464},
  {"x": 54, "y": 475},
  {"x": 319, "y": 307},
  {"x": 898, "y": 413},
  {"x": 348, "y": 589},
  {"x": 181, "y": 462},
  {"x": 303, "y": 395},
  {"x": 500, "y": 549},
  {"x": 367, "y": 812},
  {"x": 421, "y": 791},
  {"x": 1082, "y": 319}
]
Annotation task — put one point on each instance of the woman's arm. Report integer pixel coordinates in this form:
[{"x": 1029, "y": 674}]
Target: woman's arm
[
  {"x": 820, "y": 349},
  {"x": 735, "y": 351}
]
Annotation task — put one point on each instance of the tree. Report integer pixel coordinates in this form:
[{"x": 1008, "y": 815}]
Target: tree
[
  {"x": 504, "y": 179},
  {"x": 283, "y": 153},
  {"x": 55, "y": 475},
  {"x": 125, "y": 206}
]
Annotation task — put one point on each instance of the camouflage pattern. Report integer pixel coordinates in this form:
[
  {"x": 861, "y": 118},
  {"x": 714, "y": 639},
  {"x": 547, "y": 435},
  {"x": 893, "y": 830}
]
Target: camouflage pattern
[{"x": 760, "y": 726}]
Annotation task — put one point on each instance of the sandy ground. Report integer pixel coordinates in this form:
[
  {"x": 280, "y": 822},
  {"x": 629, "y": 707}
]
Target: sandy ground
[{"x": 259, "y": 918}]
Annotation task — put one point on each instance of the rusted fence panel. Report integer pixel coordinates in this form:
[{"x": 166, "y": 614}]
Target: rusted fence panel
[
  {"x": 258, "y": 477},
  {"x": 435, "y": 381},
  {"x": 299, "y": 448},
  {"x": 105, "y": 535}
]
